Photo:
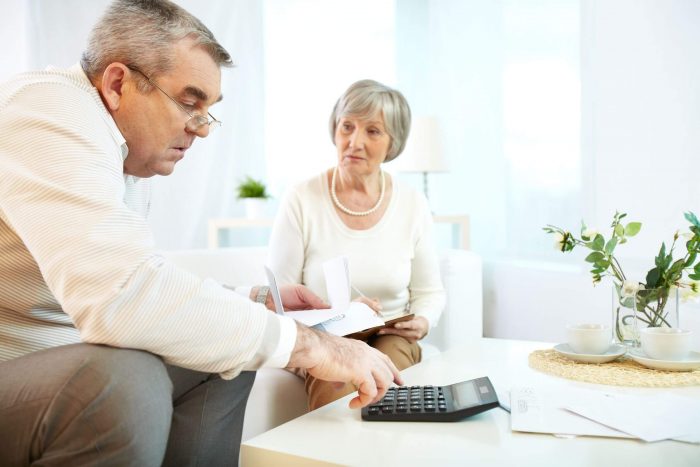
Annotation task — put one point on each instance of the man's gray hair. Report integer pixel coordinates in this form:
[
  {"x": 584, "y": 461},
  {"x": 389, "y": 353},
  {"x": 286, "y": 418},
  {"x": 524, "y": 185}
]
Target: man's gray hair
[
  {"x": 367, "y": 98},
  {"x": 141, "y": 34}
]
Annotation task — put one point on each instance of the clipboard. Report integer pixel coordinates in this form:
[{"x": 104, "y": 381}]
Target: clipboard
[{"x": 369, "y": 332}]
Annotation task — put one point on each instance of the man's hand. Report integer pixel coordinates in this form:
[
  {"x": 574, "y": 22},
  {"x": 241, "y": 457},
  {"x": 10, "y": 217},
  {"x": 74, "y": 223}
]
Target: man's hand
[
  {"x": 294, "y": 298},
  {"x": 333, "y": 358},
  {"x": 298, "y": 297},
  {"x": 414, "y": 329}
]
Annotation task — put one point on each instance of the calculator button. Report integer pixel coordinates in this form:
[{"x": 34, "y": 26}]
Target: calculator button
[
  {"x": 429, "y": 408},
  {"x": 401, "y": 408},
  {"x": 373, "y": 410},
  {"x": 415, "y": 408},
  {"x": 387, "y": 409}
]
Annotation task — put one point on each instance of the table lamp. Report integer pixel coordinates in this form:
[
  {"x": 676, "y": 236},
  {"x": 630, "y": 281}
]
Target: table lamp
[{"x": 423, "y": 152}]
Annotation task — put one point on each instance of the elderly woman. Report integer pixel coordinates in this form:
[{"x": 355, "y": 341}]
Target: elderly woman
[{"x": 357, "y": 210}]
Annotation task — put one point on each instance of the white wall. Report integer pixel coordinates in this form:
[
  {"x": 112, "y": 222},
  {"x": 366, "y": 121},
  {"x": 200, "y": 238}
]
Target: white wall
[
  {"x": 640, "y": 147},
  {"x": 15, "y": 30},
  {"x": 640, "y": 138}
]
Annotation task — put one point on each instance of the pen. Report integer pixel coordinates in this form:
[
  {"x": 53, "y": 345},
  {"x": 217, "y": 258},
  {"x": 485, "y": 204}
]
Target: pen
[
  {"x": 358, "y": 291},
  {"x": 378, "y": 312}
]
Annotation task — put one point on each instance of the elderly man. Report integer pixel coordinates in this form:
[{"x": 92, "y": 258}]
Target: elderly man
[{"x": 110, "y": 355}]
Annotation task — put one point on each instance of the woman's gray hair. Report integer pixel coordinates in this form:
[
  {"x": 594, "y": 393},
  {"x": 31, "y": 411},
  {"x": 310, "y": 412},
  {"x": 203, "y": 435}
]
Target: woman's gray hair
[
  {"x": 367, "y": 98},
  {"x": 141, "y": 34}
]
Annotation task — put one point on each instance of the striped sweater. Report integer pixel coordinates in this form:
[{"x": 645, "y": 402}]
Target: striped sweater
[{"x": 77, "y": 260}]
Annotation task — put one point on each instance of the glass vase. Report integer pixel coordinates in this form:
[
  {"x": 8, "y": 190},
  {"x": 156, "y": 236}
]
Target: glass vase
[{"x": 634, "y": 310}]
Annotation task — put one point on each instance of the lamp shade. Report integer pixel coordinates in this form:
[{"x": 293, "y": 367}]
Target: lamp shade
[{"x": 423, "y": 152}]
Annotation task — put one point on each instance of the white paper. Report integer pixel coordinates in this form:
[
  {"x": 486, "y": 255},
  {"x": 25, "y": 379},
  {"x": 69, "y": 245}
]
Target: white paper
[
  {"x": 337, "y": 274},
  {"x": 344, "y": 317},
  {"x": 651, "y": 418},
  {"x": 313, "y": 317},
  {"x": 307, "y": 317},
  {"x": 541, "y": 411},
  {"x": 357, "y": 317},
  {"x": 575, "y": 411}
]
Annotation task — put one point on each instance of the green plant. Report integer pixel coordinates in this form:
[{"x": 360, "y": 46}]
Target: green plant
[
  {"x": 251, "y": 188},
  {"x": 648, "y": 298}
]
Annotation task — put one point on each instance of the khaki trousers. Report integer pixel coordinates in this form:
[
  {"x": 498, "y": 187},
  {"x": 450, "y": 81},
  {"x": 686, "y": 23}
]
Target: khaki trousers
[{"x": 402, "y": 352}]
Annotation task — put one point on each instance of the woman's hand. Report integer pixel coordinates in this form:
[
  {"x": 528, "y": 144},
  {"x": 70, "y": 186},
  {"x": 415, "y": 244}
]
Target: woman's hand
[
  {"x": 413, "y": 330},
  {"x": 373, "y": 303}
]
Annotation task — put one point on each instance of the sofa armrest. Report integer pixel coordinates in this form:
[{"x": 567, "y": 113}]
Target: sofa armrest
[{"x": 230, "y": 266}]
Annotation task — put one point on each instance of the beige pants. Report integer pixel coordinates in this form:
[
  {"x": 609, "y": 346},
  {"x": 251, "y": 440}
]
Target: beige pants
[{"x": 397, "y": 348}]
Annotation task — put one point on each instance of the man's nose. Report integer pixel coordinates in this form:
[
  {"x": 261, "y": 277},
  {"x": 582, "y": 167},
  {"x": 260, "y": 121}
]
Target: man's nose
[{"x": 202, "y": 131}]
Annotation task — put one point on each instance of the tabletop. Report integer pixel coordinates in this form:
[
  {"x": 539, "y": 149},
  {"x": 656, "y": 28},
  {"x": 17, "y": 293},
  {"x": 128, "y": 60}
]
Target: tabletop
[{"x": 336, "y": 435}]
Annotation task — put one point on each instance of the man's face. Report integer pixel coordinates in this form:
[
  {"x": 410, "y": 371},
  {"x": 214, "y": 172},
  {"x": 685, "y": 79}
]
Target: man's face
[{"x": 153, "y": 125}]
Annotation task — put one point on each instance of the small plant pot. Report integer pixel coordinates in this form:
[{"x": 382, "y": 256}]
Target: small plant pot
[{"x": 255, "y": 208}]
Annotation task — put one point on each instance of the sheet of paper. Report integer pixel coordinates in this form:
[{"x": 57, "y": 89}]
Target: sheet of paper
[
  {"x": 539, "y": 410},
  {"x": 651, "y": 418},
  {"x": 314, "y": 317},
  {"x": 307, "y": 317},
  {"x": 344, "y": 317},
  {"x": 357, "y": 317},
  {"x": 337, "y": 275}
]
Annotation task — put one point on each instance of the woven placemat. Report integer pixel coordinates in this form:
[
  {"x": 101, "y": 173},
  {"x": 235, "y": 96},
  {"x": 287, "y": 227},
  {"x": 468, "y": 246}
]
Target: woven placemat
[{"x": 621, "y": 372}]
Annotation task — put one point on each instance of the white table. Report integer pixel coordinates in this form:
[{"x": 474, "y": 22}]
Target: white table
[
  {"x": 460, "y": 228},
  {"x": 335, "y": 435}
]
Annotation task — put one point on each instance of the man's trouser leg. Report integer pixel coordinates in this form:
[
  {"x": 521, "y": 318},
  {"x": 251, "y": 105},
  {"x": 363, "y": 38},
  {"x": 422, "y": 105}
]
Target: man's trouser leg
[
  {"x": 207, "y": 419},
  {"x": 84, "y": 405}
]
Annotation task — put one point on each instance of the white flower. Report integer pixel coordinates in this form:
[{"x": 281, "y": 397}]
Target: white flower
[
  {"x": 630, "y": 288},
  {"x": 558, "y": 241},
  {"x": 590, "y": 233},
  {"x": 690, "y": 291},
  {"x": 687, "y": 235}
]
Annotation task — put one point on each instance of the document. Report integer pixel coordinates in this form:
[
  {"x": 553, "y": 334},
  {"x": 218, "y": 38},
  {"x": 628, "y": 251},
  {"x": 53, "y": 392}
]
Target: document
[
  {"x": 344, "y": 317},
  {"x": 650, "y": 418},
  {"x": 575, "y": 411},
  {"x": 542, "y": 411}
]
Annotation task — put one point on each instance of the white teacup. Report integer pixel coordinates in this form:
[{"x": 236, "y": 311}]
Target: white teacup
[
  {"x": 665, "y": 343},
  {"x": 589, "y": 338}
]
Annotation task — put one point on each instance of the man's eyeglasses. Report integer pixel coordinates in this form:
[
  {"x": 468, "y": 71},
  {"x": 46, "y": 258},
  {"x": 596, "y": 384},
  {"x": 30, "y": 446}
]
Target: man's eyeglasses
[{"x": 196, "y": 121}]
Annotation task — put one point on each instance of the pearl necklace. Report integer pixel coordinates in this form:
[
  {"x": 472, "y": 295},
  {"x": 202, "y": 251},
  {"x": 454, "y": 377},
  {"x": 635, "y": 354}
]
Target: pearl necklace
[{"x": 337, "y": 202}]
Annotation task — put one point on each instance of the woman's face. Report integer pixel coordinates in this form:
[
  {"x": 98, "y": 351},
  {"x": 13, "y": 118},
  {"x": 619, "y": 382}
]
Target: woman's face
[{"x": 362, "y": 144}]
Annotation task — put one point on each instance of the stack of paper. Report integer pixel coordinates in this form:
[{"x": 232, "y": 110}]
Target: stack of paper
[
  {"x": 575, "y": 411},
  {"x": 344, "y": 317}
]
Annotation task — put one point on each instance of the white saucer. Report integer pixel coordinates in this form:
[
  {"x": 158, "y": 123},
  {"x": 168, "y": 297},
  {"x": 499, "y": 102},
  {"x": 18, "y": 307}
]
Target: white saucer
[
  {"x": 691, "y": 362},
  {"x": 614, "y": 351}
]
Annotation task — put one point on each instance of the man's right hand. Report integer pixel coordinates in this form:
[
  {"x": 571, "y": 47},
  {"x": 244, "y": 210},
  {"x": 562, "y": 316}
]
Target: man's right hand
[{"x": 333, "y": 358}]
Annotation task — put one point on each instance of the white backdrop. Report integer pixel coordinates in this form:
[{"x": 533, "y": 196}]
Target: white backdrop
[
  {"x": 49, "y": 32},
  {"x": 638, "y": 146}
]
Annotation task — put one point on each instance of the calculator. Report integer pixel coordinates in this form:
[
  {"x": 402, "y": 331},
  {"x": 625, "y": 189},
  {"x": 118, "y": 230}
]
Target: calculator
[{"x": 433, "y": 403}]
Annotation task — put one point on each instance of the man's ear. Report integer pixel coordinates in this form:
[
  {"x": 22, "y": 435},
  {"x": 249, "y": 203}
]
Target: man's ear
[{"x": 112, "y": 84}]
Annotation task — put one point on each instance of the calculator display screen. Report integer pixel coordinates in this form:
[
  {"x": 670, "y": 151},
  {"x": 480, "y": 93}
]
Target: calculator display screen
[{"x": 465, "y": 395}]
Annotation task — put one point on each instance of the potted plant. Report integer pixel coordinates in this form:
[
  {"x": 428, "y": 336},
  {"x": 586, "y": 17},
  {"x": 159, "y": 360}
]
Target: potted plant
[
  {"x": 649, "y": 303},
  {"x": 254, "y": 195}
]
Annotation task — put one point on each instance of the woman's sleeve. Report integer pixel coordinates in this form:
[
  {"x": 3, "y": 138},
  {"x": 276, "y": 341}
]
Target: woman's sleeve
[
  {"x": 427, "y": 293},
  {"x": 286, "y": 253}
]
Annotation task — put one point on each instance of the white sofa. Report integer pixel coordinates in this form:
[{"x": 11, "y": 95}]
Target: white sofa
[{"x": 278, "y": 395}]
